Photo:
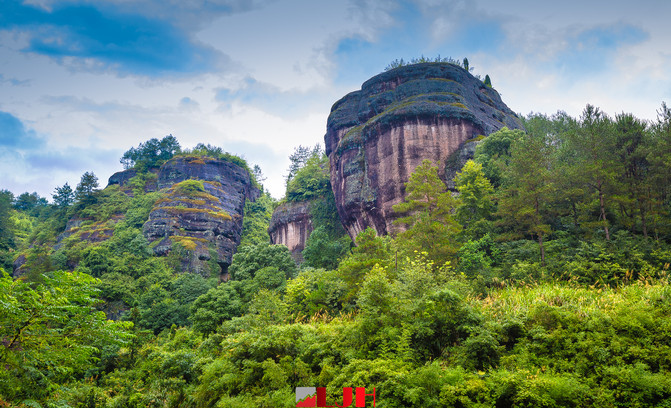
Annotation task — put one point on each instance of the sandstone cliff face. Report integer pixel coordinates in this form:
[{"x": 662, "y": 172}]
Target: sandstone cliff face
[
  {"x": 291, "y": 225},
  {"x": 200, "y": 214},
  {"x": 377, "y": 136}
]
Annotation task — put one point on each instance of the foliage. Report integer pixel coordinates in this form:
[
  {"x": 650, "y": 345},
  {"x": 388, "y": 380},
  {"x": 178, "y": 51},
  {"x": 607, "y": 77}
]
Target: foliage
[
  {"x": 50, "y": 334},
  {"x": 322, "y": 251},
  {"x": 248, "y": 260},
  {"x": 63, "y": 196},
  {"x": 475, "y": 197},
  {"x": 151, "y": 153},
  {"x": 256, "y": 220},
  {"x": 423, "y": 60},
  {"x": 310, "y": 180},
  {"x": 86, "y": 189},
  {"x": 429, "y": 218},
  {"x": 494, "y": 151}
]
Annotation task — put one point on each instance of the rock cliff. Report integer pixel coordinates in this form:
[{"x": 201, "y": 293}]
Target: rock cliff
[
  {"x": 200, "y": 214},
  {"x": 377, "y": 136},
  {"x": 291, "y": 225}
]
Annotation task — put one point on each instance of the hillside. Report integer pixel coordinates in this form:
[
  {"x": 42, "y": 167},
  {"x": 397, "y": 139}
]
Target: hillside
[{"x": 536, "y": 276}]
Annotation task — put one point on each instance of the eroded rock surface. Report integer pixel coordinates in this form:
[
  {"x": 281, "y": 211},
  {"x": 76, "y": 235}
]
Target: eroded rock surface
[
  {"x": 377, "y": 136},
  {"x": 200, "y": 214},
  {"x": 291, "y": 225}
]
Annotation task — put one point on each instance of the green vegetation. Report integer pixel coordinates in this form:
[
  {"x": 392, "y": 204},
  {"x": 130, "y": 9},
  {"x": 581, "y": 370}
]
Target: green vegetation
[
  {"x": 423, "y": 60},
  {"x": 542, "y": 282}
]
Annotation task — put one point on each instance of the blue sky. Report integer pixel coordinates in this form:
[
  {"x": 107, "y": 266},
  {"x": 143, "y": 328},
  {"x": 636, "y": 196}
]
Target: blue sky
[{"x": 82, "y": 81}]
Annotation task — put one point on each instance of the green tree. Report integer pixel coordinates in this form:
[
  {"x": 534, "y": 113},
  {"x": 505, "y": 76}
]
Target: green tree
[
  {"x": 216, "y": 306},
  {"x": 429, "y": 219},
  {"x": 299, "y": 158},
  {"x": 311, "y": 180},
  {"x": 29, "y": 202},
  {"x": 63, "y": 196},
  {"x": 634, "y": 193},
  {"x": 323, "y": 251},
  {"x": 370, "y": 250},
  {"x": 475, "y": 195},
  {"x": 248, "y": 260},
  {"x": 488, "y": 81},
  {"x": 86, "y": 189},
  {"x": 7, "y": 239},
  {"x": 593, "y": 143},
  {"x": 151, "y": 153},
  {"x": 466, "y": 65},
  {"x": 525, "y": 198},
  {"x": 658, "y": 151},
  {"x": 256, "y": 221},
  {"x": 493, "y": 152},
  {"x": 51, "y": 334}
]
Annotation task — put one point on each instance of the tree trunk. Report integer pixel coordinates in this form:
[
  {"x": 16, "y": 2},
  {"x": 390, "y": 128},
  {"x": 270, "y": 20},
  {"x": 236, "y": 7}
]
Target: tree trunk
[
  {"x": 540, "y": 244},
  {"x": 603, "y": 211}
]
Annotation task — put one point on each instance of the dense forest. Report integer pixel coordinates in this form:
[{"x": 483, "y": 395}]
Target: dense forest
[{"x": 542, "y": 281}]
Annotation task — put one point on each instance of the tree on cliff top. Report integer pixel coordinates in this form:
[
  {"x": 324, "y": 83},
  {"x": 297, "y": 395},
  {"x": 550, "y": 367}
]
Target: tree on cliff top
[{"x": 151, "y": 153}]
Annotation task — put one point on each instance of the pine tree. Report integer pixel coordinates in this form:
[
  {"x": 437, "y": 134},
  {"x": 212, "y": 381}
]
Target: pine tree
[
  {"x": 525, "y": 199},
  {"x": 63, "y": 196},
  {"x": 428, "y": 207},
  {"x": 488, "y": 81},
  {"x": 88, "y": 185}
]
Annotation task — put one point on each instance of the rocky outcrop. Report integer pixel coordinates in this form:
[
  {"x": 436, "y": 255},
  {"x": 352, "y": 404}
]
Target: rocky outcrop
[
  {"x": 378, "y": 135},
  {"x": 122, "y": 179},
  {"x": 291, "y": 225},
  {"x": 200, "y": 214}
]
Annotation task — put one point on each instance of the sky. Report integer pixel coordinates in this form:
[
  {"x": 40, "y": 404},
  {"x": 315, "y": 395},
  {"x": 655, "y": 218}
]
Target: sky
[{"x": 82, "y": 81}]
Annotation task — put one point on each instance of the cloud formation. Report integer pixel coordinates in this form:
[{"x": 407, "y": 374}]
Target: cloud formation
[{"x": 88, "y": 36}]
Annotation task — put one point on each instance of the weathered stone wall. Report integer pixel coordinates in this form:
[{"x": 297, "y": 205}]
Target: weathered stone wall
[
  {"x": 377, "y": 136},
  {"x": 205, "y": 224},
  {"x": 291, "y": 226}
]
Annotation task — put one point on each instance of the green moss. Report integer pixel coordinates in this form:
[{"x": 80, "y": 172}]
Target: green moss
[
  {"x": 222, "y": 215},
  {"x": 189, "y": 187}
]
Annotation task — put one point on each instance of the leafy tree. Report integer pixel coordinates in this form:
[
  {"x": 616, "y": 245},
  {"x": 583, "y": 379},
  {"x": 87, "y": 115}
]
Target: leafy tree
[
  {"x": 658, "y": 151},
  {"x": 86, "y": 189},
  {"x": 51, "y": 334},
  {"x": 475, "y": 191},
  {"x": 7, "y": 238},
  {"x": 594, "y": 144},
  {"x": 250, "y": 259},
  {"x": 214, "y": 307},
  {"x": 370, "y": 250},
  {"x": 299, "y": 159},
  {"x": 28, "y": 202},
  {"x": 635, "y": 195},
  {"x": 429, "y": 218},
  {"x": 488, "y": 81},
  {"x": 525, "y": 199},
  {"x": 323, "y": 251},
  {"x": 311, "y": 180},
  {"x": 256, "y": 221},
  {"x": 493, "y": 152},
  {"x": 63, "y": 196},
  {"x": 151, "y": 153},
  {"x": 466, "y": 65},
  {"x": 6, "y": 227}
]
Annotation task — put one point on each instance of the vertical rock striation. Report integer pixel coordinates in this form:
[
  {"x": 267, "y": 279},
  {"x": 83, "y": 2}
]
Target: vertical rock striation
[
  {"x": 200, "y": 214},
  {"x": 291, "y": 225},
  {"x": 378, "y": 135}
]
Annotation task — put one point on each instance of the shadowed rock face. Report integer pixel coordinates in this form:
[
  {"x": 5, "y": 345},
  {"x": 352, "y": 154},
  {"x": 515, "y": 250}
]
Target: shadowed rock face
[
  {"x": 291, "y": 225},
  {"x": 377, "y": 136},
  {"x": 207, "y": 222}
]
